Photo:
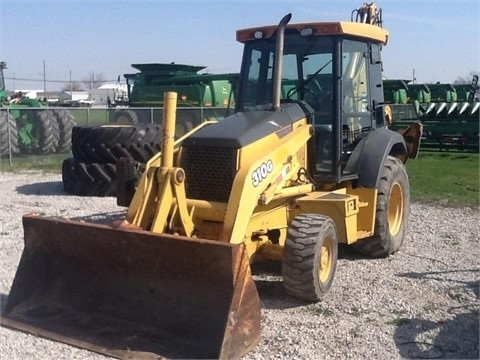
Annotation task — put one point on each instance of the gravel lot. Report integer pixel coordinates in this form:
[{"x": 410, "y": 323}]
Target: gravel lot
[{"x": 423, "y": 302}]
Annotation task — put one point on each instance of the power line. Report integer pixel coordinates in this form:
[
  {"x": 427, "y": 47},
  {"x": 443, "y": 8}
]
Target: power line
[{"x": 55, "y": 81}]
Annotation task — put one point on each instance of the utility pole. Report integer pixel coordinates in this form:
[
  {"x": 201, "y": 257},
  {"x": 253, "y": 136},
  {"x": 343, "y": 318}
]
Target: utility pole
[
  {"x": 44, "y": 81},
  {"x": 71, "y": 86}
]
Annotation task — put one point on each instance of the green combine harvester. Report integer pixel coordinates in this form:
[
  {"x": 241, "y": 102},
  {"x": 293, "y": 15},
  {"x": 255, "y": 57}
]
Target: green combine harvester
[
  {"x": 27, "y": 127},
  {"x": 200, "y": 96},
  {"x": 449, "y": 112}
]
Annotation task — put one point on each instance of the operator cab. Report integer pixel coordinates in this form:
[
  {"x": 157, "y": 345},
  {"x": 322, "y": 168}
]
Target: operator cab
[{"x": 333, "y": 71}]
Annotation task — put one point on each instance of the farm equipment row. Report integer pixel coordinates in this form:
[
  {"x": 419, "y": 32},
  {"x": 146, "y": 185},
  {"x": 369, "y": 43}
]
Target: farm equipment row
[{"x": 449, "y": 113}]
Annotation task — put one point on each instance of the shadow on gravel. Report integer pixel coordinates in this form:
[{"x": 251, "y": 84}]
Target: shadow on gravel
[
  {"x": 347, "y": 252},
  {"x": 471, "y": 286},
  {"x": 455, "y": 338},
  {"x": 3, "y": 302},
  {"x": 47, "y": 188},
  {"x": 268, "y": 280}
]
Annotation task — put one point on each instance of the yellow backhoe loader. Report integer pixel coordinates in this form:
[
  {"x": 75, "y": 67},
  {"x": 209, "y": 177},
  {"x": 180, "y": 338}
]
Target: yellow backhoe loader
[{"x": 306, "y": 162}]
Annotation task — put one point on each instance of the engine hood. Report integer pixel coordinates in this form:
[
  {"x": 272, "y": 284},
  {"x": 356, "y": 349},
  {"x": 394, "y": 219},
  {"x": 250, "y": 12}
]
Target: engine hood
[{"x": 244, "y": 128}]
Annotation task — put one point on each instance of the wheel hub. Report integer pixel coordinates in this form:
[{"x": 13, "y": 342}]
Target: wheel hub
[{"x": 395, "y": 209}]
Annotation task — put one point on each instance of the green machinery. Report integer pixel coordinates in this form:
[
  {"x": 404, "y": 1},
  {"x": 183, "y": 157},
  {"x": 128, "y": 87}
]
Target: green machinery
[
  {"x": 449, "y": 112},
  {"x": 27, "y": 127},
  {"x": 200, "y": 96}
]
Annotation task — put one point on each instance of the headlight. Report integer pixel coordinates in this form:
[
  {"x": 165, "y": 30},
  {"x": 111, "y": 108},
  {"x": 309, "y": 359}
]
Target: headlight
[
  {"x": 258, "y": 34},
  {"x": 306, "y": 31}
]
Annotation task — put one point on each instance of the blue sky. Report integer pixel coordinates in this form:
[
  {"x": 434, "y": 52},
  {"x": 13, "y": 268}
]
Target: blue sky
[{"x": 438, "y": 39}]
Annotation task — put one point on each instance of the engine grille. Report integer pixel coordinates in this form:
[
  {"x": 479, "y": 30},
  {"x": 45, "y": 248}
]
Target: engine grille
[{"x": 209, "y": 172}]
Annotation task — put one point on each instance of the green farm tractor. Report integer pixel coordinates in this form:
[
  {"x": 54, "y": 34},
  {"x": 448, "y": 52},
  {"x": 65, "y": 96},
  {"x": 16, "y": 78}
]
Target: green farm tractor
[
  {"x": 27, "y": 126},
  {"x": 200, "y": 96}
]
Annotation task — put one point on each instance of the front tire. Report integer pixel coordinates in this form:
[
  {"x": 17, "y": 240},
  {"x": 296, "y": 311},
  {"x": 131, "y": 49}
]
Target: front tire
[
  {"x": 46, "y": 132},
  {"x": 393, "y": 210},
  {"x": 66, "y": 122},
  {"x": 8, "y": 135},
  {"x": 310, "y": 256},
  {"x": 125, "y": 117}
]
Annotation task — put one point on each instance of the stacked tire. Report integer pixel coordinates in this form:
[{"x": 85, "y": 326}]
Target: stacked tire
[{"x": 97, "y": 148}]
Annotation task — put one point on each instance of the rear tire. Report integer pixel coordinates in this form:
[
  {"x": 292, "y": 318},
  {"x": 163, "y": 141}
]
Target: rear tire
[
  {"x": 393, "y": 210},
  {"x": 88, "y": 179},
  {"x": 109, "y": 143},
  {"x": 310, "y": 256},
  {"x": 45, "y": 131},
  {"x": 8, "y": 135},
  {"x": 66, "y": 122},
  {"x": 125, "y": 117}
]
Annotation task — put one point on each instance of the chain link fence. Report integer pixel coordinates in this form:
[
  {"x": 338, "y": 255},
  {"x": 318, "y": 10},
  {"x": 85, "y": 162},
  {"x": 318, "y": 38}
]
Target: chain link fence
[{"x": 43, "y": 135}]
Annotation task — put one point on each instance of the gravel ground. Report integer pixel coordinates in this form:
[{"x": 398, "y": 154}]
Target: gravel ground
[{"x": 423, "y": 302}]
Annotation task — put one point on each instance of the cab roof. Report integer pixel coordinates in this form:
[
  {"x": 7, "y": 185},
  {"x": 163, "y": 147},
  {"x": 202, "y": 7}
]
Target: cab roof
[{"x": 361, "y": 30}]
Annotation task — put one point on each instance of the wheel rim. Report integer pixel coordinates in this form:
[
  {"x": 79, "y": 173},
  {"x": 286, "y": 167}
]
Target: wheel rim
[
  {"x": 123, "y": 120},
  {"x": 326, "y": 260},
  {"x": 395, "y": 209}
]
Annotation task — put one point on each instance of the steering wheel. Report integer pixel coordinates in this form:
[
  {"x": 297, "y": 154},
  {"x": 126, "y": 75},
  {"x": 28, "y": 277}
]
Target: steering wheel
[{"x": 312, "y": 92}]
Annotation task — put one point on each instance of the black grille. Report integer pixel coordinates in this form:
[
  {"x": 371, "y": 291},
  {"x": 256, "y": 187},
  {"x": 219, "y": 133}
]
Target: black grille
[{"x": 209, "y": 172}]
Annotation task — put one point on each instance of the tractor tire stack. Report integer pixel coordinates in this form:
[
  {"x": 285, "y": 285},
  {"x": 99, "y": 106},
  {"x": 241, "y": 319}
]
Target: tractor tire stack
[
  {"x": 97, "y": 148},
  {"x": 44, "y": 132}
]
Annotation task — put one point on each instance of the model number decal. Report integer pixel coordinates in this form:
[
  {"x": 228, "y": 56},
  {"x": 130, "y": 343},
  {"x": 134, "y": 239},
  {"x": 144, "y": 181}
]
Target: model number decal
[{"x": 260, "y": 173}]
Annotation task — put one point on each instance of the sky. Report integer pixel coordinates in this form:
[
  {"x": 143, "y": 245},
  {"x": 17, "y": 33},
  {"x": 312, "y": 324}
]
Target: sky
[{"x": 70, "y": 39}]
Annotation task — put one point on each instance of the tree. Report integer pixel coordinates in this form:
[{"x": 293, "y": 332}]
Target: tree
[
  {"x": 72, "y": 86},
  {"x": 93, "y": 80},
  {"x": 467, "y": 79}
]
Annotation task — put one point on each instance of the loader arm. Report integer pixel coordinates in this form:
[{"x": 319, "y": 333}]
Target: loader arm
[
  {"x": 143, "y": 207},
  {"x": 129, "y": 293}
]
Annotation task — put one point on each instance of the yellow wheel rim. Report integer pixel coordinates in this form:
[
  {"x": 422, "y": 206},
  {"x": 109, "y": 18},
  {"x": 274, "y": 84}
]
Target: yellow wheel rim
[
  {"x": 395, "y": 209},
  {"x": 326, "y": 260}
]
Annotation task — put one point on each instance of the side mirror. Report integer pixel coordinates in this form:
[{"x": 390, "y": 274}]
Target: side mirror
[{"x": 383, "y": 115}]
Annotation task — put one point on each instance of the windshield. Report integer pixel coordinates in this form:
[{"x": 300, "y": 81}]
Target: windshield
[{"x": 307, "y": 71}]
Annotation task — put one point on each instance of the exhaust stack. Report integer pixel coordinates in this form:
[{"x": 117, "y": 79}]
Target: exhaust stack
[{"x": 277, "y": 75}]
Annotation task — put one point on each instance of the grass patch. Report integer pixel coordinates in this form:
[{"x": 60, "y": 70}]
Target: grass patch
[
  {"x": 46, "y": 163},
  {"x": 398, "y": 321},
  {"x": 316, "y": 309},
  {"x": 84, "y": 116},
  {"x": 447, "y": 178}
]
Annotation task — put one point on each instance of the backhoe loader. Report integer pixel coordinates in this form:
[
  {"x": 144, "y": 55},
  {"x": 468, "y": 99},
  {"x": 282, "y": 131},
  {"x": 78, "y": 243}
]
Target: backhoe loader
[{"x": 306, "y": 162}]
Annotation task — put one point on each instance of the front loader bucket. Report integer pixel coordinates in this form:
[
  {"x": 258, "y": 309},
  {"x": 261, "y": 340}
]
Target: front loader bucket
[{"x": 133, "y": 294}]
